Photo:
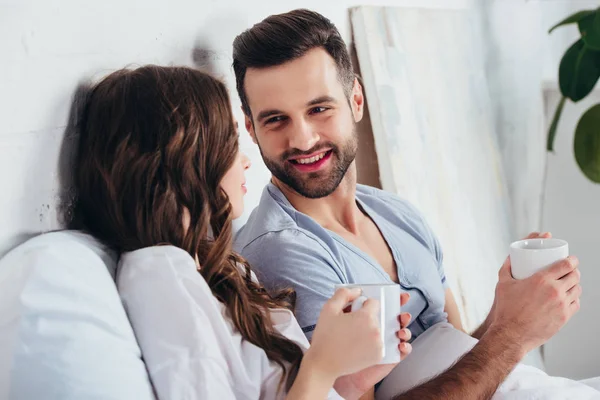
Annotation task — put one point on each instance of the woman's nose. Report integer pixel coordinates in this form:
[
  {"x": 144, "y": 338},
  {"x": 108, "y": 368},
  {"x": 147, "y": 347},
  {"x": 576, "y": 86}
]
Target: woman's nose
[{"x": 246, "y": 161}]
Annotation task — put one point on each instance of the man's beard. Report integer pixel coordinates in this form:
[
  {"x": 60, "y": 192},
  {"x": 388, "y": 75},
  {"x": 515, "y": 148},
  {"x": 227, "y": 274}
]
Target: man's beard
[{"x": 314, "y": 185}]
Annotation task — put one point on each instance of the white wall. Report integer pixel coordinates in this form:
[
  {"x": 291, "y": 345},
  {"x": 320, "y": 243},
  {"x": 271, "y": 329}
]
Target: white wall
[
  {"x": 522, "y": 58},
  {"x": 521, "y": 55},
  {"x": 571, "y": 211},
  {"x": 47, "y": 48}
]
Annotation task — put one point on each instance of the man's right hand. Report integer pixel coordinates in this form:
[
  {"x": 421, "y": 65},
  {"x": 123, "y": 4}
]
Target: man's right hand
[{"x": 531, "y": 311}]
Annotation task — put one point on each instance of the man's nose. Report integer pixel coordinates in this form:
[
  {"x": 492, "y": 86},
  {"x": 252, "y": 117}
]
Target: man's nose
[{"x": 303, "y": 136}]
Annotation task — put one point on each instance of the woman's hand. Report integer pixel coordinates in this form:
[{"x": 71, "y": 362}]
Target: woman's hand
[
  {"x": 342, "y": 344},
  {"x": 353, "y": 386}
]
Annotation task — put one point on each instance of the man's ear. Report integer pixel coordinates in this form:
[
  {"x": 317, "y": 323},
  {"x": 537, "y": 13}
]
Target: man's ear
[
  {"x": 357, "y": 101},
  {"x": 250, "y": 128}
]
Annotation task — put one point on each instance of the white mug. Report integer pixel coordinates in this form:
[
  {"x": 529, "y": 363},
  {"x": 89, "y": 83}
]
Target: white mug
[
  {"x": 388, "y": 296},
  {"x": 529, "y": 256}
]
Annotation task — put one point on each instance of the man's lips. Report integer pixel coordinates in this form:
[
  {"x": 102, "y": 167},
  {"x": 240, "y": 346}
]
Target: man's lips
[
  {"x": 310, "y": 158},
  {"x": 313, "y": 163}
]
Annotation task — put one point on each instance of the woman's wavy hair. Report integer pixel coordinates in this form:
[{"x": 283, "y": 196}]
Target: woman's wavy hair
[{"x": 155, "y": 143}]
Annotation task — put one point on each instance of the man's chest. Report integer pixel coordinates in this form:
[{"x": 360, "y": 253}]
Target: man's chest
[{"x": 374, "y": 245}]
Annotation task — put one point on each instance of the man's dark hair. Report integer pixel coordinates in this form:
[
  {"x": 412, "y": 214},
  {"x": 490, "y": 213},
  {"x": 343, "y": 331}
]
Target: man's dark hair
[{"x": 285, "y": 37}]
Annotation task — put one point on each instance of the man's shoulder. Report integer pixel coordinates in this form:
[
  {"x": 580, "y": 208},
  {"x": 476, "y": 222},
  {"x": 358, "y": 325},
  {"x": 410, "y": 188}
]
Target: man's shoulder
[
  {"x": 275, "y": 224},
  {"x": 289, "y": 252},
  {"x": 279, "y": 239}
]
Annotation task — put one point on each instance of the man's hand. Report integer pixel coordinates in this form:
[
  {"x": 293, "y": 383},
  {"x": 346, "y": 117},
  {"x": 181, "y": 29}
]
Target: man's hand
[
  {"x": 478, "y": 333},
  {"x": 526, "y": 313},
  {"x": 353, "y": 386},
  {"x": 532, "y": 310}
]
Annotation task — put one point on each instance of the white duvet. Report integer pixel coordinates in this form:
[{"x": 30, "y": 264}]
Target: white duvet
[{"x": 442, "y": 345}]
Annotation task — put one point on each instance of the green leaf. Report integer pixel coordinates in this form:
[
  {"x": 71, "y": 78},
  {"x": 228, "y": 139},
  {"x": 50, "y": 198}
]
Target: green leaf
[
  {"x": 589, "y": 27},
  {"x": 579, "y": 71},
  {"x": 587, "y": 143},
  {"x": 572, "y": 19},
  {"x": 554, "y": 125}
]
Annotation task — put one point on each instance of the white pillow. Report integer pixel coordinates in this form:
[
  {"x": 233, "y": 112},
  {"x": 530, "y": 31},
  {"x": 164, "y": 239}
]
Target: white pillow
[{"x": 63, "y": 331}]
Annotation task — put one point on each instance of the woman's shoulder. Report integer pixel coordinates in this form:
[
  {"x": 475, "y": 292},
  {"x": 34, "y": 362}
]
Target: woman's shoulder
[
  {"x": 151, "y": 258},
  {"x": 161, "y": 269},
  {"x": 156, "y": 254}
]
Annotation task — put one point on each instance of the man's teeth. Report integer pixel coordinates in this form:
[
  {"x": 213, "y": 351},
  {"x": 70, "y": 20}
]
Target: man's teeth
[{"x": 311, "y": 159}]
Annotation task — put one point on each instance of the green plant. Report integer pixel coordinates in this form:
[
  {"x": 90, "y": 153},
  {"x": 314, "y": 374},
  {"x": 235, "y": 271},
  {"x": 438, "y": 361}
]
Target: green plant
[{"x": 577, "y": 75}]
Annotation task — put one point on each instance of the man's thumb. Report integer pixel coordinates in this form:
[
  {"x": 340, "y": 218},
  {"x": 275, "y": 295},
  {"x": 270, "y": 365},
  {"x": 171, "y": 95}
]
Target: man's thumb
[{"x": 506, "y": 270}]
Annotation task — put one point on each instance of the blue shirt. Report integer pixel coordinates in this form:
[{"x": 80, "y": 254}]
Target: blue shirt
[{"x": 287, "y": 248}]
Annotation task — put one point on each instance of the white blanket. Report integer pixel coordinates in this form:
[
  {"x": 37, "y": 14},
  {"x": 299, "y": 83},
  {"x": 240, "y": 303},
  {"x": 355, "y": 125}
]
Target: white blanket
[{"x": 442, "y": 345}]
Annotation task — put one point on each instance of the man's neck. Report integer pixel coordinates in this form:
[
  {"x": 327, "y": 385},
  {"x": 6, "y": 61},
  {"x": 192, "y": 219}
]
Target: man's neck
[{"x": 336, "y": 211}]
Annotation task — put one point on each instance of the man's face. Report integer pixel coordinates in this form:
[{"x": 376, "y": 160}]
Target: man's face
[{"x": 303, "y": 122}]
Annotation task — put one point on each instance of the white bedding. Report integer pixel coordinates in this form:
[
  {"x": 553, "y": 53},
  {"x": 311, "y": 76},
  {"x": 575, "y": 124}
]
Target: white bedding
[{"x": 442, "y": 345}]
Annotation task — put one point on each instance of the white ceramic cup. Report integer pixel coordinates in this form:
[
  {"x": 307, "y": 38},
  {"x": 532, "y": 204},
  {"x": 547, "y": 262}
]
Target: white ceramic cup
[
  {"x": 388, "y": 296},
  {"x": 529, "y": 256}
]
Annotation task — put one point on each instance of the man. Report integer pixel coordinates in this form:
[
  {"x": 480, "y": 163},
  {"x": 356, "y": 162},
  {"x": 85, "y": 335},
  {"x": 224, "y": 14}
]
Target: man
[{"x": 315, "y": 227}]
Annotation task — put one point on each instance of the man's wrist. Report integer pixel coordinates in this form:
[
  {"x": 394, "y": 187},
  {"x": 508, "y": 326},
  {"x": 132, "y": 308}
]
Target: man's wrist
[
  {"x": 479, "y": 332},
  {"x": 504, "y": 340}
]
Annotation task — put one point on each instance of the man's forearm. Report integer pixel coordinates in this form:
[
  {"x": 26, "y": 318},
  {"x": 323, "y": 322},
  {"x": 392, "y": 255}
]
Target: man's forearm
[{"x": 476, "y": 376}]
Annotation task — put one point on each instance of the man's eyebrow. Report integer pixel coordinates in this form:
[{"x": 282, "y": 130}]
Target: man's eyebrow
[
  {"x": 321, "y": 99},
  {"x": 267, "y": 113}
]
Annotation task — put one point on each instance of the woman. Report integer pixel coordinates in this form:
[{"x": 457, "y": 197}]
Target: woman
[{"x": 159, "y": 179}]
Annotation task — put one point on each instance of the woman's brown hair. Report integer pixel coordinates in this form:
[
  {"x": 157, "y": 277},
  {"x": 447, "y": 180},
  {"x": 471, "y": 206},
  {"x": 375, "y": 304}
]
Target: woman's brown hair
[{"x": 155, "y": 143}]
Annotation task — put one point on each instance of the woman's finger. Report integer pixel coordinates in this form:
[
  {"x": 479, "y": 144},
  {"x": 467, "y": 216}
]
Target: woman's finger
[
  {"x": 404, "y": 297},
  {"x": 404, "y": 334},
  {"x": 405, "y": 349},
  {"x": 405, "y": 319}
]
